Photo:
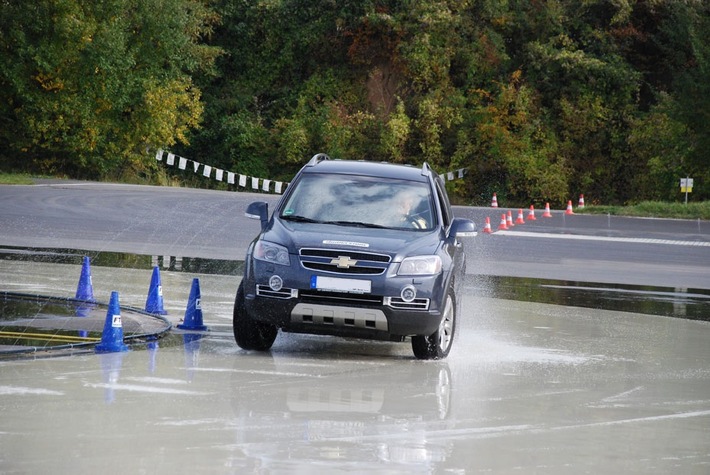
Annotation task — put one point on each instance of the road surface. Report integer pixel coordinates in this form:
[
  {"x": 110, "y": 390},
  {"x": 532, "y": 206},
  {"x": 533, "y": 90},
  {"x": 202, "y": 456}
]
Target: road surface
[{"x": 528, "y": 387}]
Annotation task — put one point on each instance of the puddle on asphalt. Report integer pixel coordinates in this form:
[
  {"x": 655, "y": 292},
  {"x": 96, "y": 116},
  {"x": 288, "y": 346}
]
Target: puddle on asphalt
[
  {"x": 692, "y": 304},
  {"x": 124, "y": 260}
]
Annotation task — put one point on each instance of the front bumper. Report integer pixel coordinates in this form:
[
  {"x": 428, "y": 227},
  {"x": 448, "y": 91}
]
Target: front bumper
[
  {"x": 372, "y": 322},
  {"x": 380, "y": 314}
]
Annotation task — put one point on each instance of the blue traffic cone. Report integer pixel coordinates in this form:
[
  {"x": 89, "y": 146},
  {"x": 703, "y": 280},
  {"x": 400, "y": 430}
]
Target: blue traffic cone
[
  {"x": 85, "y": 289},
  {"x": 154, "y": 302},
  {"x": 112, "y": 336},
  {"x": 193, "y": 312}
]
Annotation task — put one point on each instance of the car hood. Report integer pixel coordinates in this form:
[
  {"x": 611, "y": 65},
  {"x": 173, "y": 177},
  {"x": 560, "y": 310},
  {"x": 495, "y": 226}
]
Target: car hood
[{"x": 394, "y": 242}]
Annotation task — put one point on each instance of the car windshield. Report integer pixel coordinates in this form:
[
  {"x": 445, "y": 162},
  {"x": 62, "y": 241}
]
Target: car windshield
[{"x": 352, "y": 200}]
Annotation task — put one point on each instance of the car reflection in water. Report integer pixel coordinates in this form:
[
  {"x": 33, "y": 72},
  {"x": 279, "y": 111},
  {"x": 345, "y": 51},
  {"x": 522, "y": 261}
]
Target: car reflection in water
[{"x": 300, "y": 413}]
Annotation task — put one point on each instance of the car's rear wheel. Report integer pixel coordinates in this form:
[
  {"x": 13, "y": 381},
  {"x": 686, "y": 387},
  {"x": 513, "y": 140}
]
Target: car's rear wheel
[
  {"x": 438, "y": 344},
  {"x": 249, "y": 333}
]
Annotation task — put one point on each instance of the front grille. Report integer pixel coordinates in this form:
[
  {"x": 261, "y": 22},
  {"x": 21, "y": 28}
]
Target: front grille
[
  {"x": 359, "y": 270},
  {"x": 334, "y": 253},
  {"x": 344, "y": 261}
]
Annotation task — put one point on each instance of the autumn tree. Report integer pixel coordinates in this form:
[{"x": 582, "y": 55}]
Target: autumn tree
[
  {"x": 88, "y": 87},
  {"x": 536, "y": 100}
]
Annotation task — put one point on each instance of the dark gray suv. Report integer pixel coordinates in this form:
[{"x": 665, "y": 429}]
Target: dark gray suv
[{"x": 355, "y": 249}]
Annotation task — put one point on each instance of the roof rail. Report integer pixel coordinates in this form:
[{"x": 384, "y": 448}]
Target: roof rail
[{"x": 318, "y": 157}]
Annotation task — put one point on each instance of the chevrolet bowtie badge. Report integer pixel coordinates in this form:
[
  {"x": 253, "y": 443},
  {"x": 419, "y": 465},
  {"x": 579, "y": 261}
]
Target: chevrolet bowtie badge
[{"x": 343, "y": 262}]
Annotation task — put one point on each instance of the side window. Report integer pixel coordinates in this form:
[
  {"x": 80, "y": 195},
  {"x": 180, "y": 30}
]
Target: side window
[{"x": 446, "y": 213}]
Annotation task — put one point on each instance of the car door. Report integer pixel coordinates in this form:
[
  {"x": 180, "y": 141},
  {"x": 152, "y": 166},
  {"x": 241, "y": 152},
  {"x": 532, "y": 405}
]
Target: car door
[{"x": 452, "y": 245}]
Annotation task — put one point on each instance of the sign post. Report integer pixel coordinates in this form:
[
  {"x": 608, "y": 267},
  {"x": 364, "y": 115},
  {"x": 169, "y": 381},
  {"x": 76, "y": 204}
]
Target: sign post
[{"x": 686, "y": 186}]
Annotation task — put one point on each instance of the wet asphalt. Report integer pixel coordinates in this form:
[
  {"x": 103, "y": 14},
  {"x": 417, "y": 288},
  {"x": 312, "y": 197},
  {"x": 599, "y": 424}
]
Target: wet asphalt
[{"x": 528, "y": 388}]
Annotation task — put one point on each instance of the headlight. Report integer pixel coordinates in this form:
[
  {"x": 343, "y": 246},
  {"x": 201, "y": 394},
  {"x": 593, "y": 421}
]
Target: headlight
[
  {"x": 270, "y": 252},
  {"x": 420, "y": 265}
]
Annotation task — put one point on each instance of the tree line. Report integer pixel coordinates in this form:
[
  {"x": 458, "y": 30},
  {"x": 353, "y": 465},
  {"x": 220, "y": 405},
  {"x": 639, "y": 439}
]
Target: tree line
[{"x": 538, "y": 100}]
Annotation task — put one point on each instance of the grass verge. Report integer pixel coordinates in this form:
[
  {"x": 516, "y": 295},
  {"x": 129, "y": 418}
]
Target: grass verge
[{"x": 15, "y": 179}]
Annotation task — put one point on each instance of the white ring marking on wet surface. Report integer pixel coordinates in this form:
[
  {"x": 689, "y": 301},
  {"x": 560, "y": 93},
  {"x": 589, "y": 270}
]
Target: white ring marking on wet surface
[
  {"x": 500, "y": 431},
  {"x": 15, "y": 390},
  {"x": 260, "y": 372},
  {"x": 662, "y": 417},
  {"x": 145, "y": 389}
]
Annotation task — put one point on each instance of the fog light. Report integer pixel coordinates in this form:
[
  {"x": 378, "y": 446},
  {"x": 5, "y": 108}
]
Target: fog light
[
  {"x": 275, "y": 283},
  {"x": 408, "y": 293}
]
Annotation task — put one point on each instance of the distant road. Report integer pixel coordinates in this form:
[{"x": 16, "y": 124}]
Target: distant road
[
  {"x": 596, "y": 248},
  {"x": 211, "y": 224}
]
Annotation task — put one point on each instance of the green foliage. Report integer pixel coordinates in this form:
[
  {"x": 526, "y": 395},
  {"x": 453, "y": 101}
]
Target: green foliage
[
  {"x": 396, "y": 134},
  {"x": 693, "y": 90},
  {"x": 538, "y": 101},
  {"x": 15, "y": 179},
  {"x": 662, "y": 144},
  {"x": 511, "y": 128},
  {"x": 87, "y": 87}
]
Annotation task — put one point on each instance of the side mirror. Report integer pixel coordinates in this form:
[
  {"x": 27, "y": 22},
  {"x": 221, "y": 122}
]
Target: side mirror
[
  {"x": 258, "y": 210},
  {"x": 461, "y": 227}
]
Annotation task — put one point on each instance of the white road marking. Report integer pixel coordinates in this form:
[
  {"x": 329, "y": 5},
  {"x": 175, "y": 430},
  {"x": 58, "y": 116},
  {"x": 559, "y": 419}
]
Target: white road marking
[
  {"x": 22, "y": 391},
  {"x": 604, "y": 238}
]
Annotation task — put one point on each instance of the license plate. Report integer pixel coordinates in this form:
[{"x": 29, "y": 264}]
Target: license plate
[{"x": 335, "y": 284}]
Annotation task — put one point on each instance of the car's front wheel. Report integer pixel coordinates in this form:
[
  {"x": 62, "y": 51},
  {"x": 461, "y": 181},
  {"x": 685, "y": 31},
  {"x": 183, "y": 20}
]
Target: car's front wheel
[
  {"x": 249, "y": 333},
  {"x": 438, "y": 344}
]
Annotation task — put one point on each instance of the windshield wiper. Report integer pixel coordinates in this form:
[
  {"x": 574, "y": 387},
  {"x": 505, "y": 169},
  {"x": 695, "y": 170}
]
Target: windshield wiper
[
  {"x": 359, "y": 224},
  {"x": 300, "y": 219},
  {"x": 303, "y": 219}
]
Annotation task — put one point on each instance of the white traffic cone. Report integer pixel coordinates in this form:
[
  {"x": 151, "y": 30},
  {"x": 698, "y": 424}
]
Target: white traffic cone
[
  {"x": 531, "y": 214},
  {"x": 487, "y": 228}
]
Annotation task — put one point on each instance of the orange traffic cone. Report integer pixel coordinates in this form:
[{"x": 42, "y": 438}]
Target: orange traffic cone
[
  {"x": 569, "y": 208},
  {"x": 487, "y": 228},
  {"x": 510, "y": 219},
  {"x": 547, "y": 213},
  {"x": 581, "y": 201},
  {"x": 502, "y": 226},
  {"x": 494, "y": 202},
  {"x": 520, "y": 219},
  {"x": 531, "y": 214}
]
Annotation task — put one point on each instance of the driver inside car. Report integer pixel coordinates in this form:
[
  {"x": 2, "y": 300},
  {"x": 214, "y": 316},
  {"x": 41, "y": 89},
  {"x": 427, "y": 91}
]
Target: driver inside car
[{"x": 407, "y": 205}]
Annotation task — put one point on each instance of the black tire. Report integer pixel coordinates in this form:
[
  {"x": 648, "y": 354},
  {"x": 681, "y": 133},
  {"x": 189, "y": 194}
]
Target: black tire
[
  {"x": 438, "y": 345},
  {"x": 249, "y": 333}
]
